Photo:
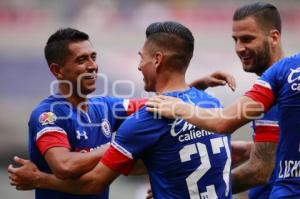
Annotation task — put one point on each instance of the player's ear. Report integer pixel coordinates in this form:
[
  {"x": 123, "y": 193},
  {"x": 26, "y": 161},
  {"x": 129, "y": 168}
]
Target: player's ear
[
  {"x": 158, "y": 58},
  {"x": 274, "y": 38},
  {"x": 56, "y": 70}
]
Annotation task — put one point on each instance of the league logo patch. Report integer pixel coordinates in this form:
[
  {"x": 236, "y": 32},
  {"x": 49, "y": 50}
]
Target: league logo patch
[
  {"x": 47, "y": 118},
  {"x": 105, "y": 126}
]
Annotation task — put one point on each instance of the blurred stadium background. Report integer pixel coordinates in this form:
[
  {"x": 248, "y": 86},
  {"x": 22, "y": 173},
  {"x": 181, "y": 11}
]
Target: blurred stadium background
[{"x": 117, "y": 30}]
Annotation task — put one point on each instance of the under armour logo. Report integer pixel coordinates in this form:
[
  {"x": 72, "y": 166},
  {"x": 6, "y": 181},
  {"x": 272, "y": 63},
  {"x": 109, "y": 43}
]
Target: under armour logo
[{"x": 79, "y": 135}]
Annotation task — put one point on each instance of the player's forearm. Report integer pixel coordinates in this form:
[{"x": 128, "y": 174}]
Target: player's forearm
[
  {"x": 76, "y": 164},
  {"x": 240, "y": 152},
  {"x": 82, "y": 185},
  {"x": 208, "y": 119},
  {"x": 247, "y": 176},
  {"x": 200, "y": 84},
  {"x": 222, "y": 121},
  {"x": 257, "y": 170}
]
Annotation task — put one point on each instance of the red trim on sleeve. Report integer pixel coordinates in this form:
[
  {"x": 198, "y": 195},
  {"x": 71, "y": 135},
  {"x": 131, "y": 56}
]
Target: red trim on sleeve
[
  {"x": 117, "y": 161},
  {"x": 261, "y": 94},
  {"x": 52, "y": 139},
  {"x": 266, "y": 134},
  {"x": 135, "y": 105}
]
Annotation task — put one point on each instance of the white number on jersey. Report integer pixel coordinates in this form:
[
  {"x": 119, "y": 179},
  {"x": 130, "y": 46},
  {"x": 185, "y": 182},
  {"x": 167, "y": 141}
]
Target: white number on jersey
[{"x": 185, "y": 155}]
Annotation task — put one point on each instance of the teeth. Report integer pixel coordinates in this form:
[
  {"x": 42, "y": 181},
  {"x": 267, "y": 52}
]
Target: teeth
[
  {"x": 245, "y": 57},
  {"x": 91, "y": 75}
]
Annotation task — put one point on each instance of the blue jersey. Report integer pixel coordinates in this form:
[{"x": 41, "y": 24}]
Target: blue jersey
[
  {"x": 265, "y": 129},
  {"x": 280, "y": 84},
  {"x": 183, "y": 161},
  {"x": 55, "y": 123}
]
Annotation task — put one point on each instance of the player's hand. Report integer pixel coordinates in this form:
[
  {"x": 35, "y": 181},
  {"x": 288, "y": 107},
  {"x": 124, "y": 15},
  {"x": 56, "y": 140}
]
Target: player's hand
[
  {"x": 23, "y": 177},
  {"x": 164, "y": 106},
  {"x": 217, "y": 78},
  {"x": 149, "y": 194}
]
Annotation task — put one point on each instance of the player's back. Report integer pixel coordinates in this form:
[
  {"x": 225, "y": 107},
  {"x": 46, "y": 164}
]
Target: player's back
[
  {"x": 188, "y": 161},
  {"x": 182, "y": 160}
]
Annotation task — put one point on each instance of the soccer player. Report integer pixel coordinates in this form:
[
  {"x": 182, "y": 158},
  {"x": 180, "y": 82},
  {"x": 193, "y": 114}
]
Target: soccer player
[
  {"x": 280, "y": 85},
  {"x": 68, "y": 122},
  {"x": 182, "y": 161},
  {"x": 257, "y": 36}
]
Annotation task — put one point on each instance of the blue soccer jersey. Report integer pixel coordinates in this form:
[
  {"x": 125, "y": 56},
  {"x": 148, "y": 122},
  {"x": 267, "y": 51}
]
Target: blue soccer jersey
[
  {"x": 183, "y": 161},
  {"x": 280, "y": 84},
  {"x": 265, "y": 129},
  {"x": 56, "y": 123}
]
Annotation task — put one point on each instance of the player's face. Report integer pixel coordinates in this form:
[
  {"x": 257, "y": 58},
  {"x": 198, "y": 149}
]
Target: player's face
[
  {"x": 251, "y": 45},
  {"x": 80, "y": 67},
  {"x": 147, "y": 67}
]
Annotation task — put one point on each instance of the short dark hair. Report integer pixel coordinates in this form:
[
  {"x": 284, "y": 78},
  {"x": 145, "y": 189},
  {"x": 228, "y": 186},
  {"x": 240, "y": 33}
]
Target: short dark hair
[
  {"x": 265, "y": 14},
  {"x": 56, "y": 48},
  {"x": 174, "y": 37}
]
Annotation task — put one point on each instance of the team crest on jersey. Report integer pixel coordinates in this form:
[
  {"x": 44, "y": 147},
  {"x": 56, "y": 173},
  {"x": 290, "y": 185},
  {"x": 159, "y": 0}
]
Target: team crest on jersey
[
  {"x": 47, "y": 118},
  {"x": 105, "y": 126}
]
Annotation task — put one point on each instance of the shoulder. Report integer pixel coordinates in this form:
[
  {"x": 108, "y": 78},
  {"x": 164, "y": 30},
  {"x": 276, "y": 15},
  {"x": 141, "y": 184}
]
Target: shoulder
[
  {"x": 49, "y": 109},
  {"x": 284, "y": 65},
  {"x": 105, "y": 99},
  {"x": 107, "y": 102},
  {"x": 204, "y": 100},
  {"x": 142, "y": 120}
]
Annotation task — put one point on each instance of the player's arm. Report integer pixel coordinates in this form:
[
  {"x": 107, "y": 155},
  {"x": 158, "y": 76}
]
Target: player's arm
[
  {"x": 112, "y": 164},
  {"x": 240, "y": 152},
  {"x": 28, "y": 176},
  {"x": 257, "y": 170},
  {"x": 256, "y": 101},
  {"x": 217, "y": 78},
  {"x": 66, "y": 164},
  {"x": 139, "y": 168},
  {"x": 53, "y": 143},
  {"x": 217, "y": 120}
]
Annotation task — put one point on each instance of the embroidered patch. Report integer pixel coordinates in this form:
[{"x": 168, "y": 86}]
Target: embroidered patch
[
  {"x": 105, "y": 126},
  {"x": 47, "y": 118}
]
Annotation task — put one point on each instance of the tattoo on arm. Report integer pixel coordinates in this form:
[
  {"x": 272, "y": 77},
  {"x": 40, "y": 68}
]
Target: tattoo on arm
[{"x": 257, "y": 170}]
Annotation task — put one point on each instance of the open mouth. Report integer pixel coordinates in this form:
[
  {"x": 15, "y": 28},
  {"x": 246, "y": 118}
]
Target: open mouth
[
  {"x": 245, "y": 57},
  {"x": 90, "y": 76}
]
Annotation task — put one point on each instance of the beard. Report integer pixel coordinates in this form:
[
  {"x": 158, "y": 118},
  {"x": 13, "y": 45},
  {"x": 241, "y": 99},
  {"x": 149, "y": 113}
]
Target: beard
[{"x": 262, "y": 59}]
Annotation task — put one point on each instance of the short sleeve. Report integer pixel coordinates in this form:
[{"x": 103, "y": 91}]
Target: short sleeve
[
  {"x": 266, "y": 129},
  {"x": 118, "y": 108},
  {"x": 141, "y": 127},
  {"x": 265, "y": 88},
  {"x": 136, "y": 135},
  {"x": 47, "y": 130}
]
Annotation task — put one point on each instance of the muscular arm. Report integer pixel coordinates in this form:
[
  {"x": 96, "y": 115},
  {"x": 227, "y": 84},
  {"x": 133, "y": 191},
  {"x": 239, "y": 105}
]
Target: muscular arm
[
  {"x": 240, "y": 152},
  {"x": 92, "y": 182},
  {"x": 222, "y": 121},
  {"x": 66, "y": 164},
  {"x": 28, "y": 176},
  {"x": 257, "y": 170},
  {"x": 217, "y": 78}
]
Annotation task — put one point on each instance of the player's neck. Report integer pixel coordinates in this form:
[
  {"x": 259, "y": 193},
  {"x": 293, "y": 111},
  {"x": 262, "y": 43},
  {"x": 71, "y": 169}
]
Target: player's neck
[
  {"x": 171, "y": 83},
  {"x": 74, "y": 98},
  {"x": 279, "y": 54},
  {"x": 276, "y": 56},
  {"x": 78, "y": 102}
]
